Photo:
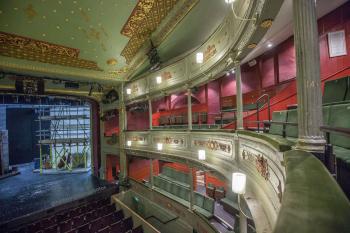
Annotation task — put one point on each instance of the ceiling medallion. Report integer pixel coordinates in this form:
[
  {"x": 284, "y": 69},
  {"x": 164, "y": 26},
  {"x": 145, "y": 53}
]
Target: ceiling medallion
[
  {"x": 267, "y": 23},
  {"x": 252, "y": 46},
  {"x": 112, "y": 61},
  {"x": 35, "y": 50}
]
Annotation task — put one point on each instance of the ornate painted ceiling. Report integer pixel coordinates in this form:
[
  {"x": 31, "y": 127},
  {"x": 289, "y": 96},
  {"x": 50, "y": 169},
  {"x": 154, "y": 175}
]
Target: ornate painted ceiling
[{"x": 105, "y": 39}]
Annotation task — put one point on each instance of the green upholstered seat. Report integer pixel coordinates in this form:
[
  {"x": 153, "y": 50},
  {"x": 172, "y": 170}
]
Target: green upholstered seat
[
  {"x": 198, "y": 199},
  {"x": 156, "y": 181},
  {"x": 342, "y": 154},
  {"x": 340, "y": 117},
  {"x": 279, "y": 116},
  {"x": 209, "y": 204},
  {"x": 292, "y": 117},
  {"x": 335, "y": 91},
  {"x": 347, "y": 96}
]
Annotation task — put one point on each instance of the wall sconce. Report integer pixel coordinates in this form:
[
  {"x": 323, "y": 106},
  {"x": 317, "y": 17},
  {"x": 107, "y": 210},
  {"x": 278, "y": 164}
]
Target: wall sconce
[
  {"x": 128, "y": 91},
  {"x": 199, "y": 57},
  {"x": 201, "y": 155},
  {"x": 238, "y": 182},
  {"x": 159, "y": 79},
  {"x": 159, "y": 146},
  {"x": 128, "y": 143},
  {"x": 229, "y": 1}
]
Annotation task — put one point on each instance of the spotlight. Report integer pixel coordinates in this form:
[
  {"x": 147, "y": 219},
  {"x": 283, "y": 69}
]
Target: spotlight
[
  {"x": 159, "y": 79},
  {"x": 269, "y": 45},
  {"x": 199, "y": 57},
  {"x": 128, "y": 91},
  {"x": 227, "y": 73},
  {"x": 233, "y": 71}
]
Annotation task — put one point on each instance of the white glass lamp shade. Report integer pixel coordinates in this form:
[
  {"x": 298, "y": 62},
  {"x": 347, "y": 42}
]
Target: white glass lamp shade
[
  {"x": 128, "y": 91},
  {"x": 199, "y": 57},
  {"x": 238, "y": 182},
  {"x": 159, "y": 79},
  {"x": 159, "y": 146},
  {"x": 128, "y": 143},
  {"x": 229, "y": 1},
  {"x": 201, "y": 154}
]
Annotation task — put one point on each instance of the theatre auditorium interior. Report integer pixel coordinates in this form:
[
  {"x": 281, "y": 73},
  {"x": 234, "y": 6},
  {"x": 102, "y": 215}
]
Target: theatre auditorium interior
[{"x": 174, "y": 116}]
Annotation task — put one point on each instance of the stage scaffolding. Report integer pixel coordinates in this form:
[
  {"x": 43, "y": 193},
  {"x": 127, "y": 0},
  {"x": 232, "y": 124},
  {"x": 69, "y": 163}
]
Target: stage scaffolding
[{"x": 64, "y": 131}]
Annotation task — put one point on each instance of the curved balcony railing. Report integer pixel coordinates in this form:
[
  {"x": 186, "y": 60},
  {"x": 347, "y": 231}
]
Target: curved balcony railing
[{"x": 288, "y": 185}]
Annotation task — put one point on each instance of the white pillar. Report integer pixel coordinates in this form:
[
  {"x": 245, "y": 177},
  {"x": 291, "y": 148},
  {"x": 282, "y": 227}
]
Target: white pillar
[
  {"x": 239, "y": 98},
  {"x": 308, "y": 76},
  {"x": 189, "y": 108}
]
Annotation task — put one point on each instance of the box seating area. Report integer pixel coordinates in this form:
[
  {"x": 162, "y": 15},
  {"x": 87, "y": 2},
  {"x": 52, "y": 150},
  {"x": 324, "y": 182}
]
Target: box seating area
[
  {"x": 95, "y": 216},
  {"x": 283, "y": 130},
  {"x": 175, "y": 185},
  {"x": 197, "y": 117}
]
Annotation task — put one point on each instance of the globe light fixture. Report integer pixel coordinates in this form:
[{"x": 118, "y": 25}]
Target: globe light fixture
[
  {"x": 199, "y": 57},
  {"x": 238, "y": 182},
  {"x": 201, "y": 155},
  {"x": 159, "y": 146}
]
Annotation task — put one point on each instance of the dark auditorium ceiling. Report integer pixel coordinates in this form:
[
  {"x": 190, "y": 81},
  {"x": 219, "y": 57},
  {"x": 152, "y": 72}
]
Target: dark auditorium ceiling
[{"x": 100, "y": 38}]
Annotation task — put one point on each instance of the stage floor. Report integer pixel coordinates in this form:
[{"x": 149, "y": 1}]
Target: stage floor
[{"x": 30, "y": 192}]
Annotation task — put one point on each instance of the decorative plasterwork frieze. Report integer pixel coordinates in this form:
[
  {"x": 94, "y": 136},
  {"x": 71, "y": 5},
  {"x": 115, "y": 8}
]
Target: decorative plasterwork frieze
[
  {"x": 35, "y": 50},
  {"x": 146, "y": 22},
  {"x": 145, "y": 18}
]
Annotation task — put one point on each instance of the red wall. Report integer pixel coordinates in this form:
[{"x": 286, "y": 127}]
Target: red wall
[
  {"x": 139, "y": 169},
  {"x": 284, "y": 63},
  {"x": 111, "y": 161},
  {"x": 210, "y": 178}
]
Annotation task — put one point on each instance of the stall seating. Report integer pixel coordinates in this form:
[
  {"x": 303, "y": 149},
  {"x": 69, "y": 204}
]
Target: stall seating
[{"x": 95, "y": 216}]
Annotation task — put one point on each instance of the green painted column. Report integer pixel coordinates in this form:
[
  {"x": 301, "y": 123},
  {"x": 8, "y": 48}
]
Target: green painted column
[
  {"x": 191, "y": 188},
  {"x": 151, "y": 172},
  {"x": 239, "y": 98},
  {"x": 308, "y": 76},
  {"x": 122, "y": 128},
  {"x": 189, "y": 108},
  {"x": 150, "y": 113}
]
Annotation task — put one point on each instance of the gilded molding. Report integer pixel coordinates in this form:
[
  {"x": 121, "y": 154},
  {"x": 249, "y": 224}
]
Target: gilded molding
[{"x": 35, "y": 50}]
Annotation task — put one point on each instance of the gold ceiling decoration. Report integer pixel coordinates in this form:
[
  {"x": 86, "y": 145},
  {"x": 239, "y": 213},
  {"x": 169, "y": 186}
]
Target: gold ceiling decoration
[
  {"x": 35, "y": 50},
  {"x": 252, "y": 46},
  {"x": 143, "y": 21},
  {"x": 169, "y": 27},
  {"x": 112, "y": 61},
  {"x": 267, "y": 23}
]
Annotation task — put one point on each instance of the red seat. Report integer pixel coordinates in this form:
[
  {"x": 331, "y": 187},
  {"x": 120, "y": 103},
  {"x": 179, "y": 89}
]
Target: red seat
[
  {"x": 53, "y": 229},
  {"x": 65, "y": 226},
  {"x": 116, "y": 227},
  {"x": 118, "y": 216},
  {"x": 104, "y": 230},
  {"x": 84, "y": 229},
  {"x": 78, "y": 221}
]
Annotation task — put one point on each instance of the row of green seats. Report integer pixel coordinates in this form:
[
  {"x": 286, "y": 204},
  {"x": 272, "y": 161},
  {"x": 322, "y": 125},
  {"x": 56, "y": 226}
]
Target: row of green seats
[
  {"x": 203, "y": 204},
  {"x": 206, "y": 204},
  {"x": 337, "y": 91},
  {"x": 172, "y": 187},
  {"x": 176, "y": 175}
]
